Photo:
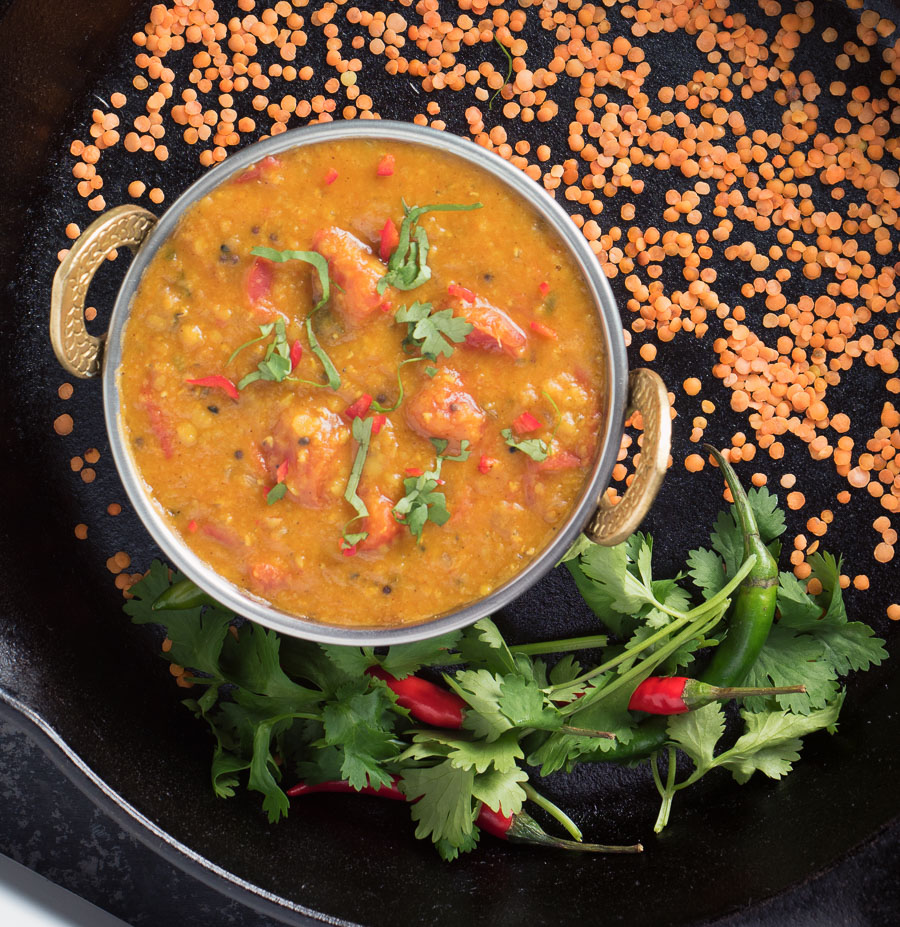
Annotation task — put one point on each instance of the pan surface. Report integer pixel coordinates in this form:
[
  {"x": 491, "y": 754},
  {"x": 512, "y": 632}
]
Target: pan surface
[{"x": 71, "y": 660}]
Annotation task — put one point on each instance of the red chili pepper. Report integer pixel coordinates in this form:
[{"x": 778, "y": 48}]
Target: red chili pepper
[
  {"x": 192, "y": 526},
  {"x": 414, "y": 471},
  {"x": 425, "y": 701},
  {"x": 218, "y": 382},
  {"x": 487, "y": 463},
  {"x": 517, "y": 828},
  {"x": 281, "y": 472},
  {"x": 525, "y": 423},
  {"x": 359, "y": 408},
  {"x": 544, "y": 331},
  {"x": 385, "y": 166},
  {"x": 390, "y": 238},
  {"x": 331, "y": 176},
  {"x": 296, "y": 354},
  {"x": 378, "y": 423},
  {"x": 544, "y": 287},
  {"x": 462, "y": 292},
  {"x": 674, "y": 695},
  {"x": 348, "y": 550}
]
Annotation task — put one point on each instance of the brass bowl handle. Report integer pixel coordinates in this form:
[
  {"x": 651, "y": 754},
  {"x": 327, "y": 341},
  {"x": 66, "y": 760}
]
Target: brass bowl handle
[
  {"x": 77, "y": 350},
  {"x": 612, "y": 524}
]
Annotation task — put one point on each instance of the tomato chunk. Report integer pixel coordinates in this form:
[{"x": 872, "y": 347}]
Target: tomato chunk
[
  {"x": 258, "y": 288},
  {"x": 561, "y": 460},
  {"x": 380, "y": 523},
  {"x": 493, "y": 329},
  {"x": 259, "y": 170},
  {"x": 443, "y": 409},
  {"x": 315, "y": 444},
  {"x": 355, "y": 270}
]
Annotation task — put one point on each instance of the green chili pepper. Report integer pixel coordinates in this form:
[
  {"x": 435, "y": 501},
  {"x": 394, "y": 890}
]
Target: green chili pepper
[
  {"x": 182, "y": 595},
  {"x": 749, "y": 623}
]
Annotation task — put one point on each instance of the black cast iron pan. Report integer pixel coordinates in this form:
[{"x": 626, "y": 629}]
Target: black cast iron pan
[{"x": 105, "y": 706}]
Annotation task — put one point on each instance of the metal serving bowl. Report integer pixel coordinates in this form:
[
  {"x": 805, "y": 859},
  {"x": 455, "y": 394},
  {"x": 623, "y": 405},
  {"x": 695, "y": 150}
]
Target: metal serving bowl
[{"x": 84, "y": 355}]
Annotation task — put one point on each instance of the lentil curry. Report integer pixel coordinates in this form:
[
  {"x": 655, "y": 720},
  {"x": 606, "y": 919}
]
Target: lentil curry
[{"x": 363, "y": 412}]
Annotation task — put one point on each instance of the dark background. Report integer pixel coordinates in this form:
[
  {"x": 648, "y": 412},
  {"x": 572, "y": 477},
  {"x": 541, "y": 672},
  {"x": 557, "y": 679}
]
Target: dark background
[{"x": 68, "y": 655}]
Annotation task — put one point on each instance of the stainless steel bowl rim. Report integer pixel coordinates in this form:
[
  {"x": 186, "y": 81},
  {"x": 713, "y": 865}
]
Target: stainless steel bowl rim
[{"x": 240, "y": 600}]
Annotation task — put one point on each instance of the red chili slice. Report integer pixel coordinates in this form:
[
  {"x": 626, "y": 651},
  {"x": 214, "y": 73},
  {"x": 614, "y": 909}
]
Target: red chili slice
[
  {"x": 296, "y": 354},
  {"x": 414, "y": 471},
  {"x": 390, "y": 238},
  {"x": 486, "y": 464},
  {"x": 359, "y": 408},
  {"x": 218, "y": 382},
  {"x": 331, "y": 176},
  {"x": 462, "y": 292},
  {"x": 378, "y": 423},
  {"x": 526, "y": 423},
  {"x": 281, "y": 472},
  {"x": 544, "y": 331},
  {"x": 385, "y": 166},
  {"x": 193, "y": 526},
  {"x": 348, "y": 550},
  {"x": 544, "y": 288}
]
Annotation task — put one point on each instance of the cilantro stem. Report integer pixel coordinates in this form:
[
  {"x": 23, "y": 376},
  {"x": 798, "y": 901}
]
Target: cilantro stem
[
  {"x": 564, "y": 645},
  {"x": 377, "y": 406},
  {"x": 334, "y": 378},
  {"x": 570, "y": 826},
  {"x": 586, "y": 732},
  {"x": 557, "y": 415},
  {"x": 266, "y": 331},
  {"x": 667, "y": 791},
  {"x": 509, "y": 69}
]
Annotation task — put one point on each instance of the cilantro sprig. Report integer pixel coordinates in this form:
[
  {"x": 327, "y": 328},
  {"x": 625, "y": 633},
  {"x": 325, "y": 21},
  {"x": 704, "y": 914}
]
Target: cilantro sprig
[
  {"x": 321, "y": 267},
  {"x": 408, "y": 265},
  {"x": 433, "y": 333},
  {"x": 361, "y": 430},
  {"x": 285, "y": 707},
  {"x": 422, "y": 502}
]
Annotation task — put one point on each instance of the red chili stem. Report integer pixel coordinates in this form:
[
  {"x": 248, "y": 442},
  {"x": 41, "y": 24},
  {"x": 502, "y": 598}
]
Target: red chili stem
[
  {"x": 674, "y": 695},
  {"x": 425, "y": 701}
]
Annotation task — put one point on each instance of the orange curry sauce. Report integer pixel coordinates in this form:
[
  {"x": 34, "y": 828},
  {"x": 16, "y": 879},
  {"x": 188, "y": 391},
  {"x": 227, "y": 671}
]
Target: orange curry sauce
[{"x": 532, "y": 362}]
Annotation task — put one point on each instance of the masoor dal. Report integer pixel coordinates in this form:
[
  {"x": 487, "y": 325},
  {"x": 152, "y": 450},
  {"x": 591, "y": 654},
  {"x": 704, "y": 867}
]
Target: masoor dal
[{"x": 255, "y": 481}]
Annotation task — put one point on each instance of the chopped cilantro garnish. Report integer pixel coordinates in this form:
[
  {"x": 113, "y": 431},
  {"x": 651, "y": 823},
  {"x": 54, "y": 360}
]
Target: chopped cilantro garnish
[
  {"x": 408, "y": 265},
  {"x": 535, "y": 448},
  {"x": 276, "y": 492},
  {"x": 421, "y": 502},
  {"x": 321, "y": 266},
  {"x": 362, "y": 434},
  {"x": 432, "y": 332},
  {"x": 276, "y": 365}
]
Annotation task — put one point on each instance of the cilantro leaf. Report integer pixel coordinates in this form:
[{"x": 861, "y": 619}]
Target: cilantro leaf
[
  {"x": 444, "y": 806},
  {"x": 534, "y": 448},
  {"x": 450, "y": 851},
  {"x": 771, "y": 741},
  {"x": 434, "y": 333},
  {"x": 482, "y": 691},
  {"x": 523, "y": 703},
  {"x": 402, "y": 660},
  {"x": 357, "y": 722},
  {"x": 501, "y": 790},
  {"x": 769, "y": 515},
  {"x": 706, "y": 570},
  {"x": 787, "y": 659},
  {"x": 697, "y": 733},
  {"x": 609, "y": 568},
  {"x": 353, "y": 661},
  {"x": 482, "y": 646},
  {"x": 481, "y": 756}
]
